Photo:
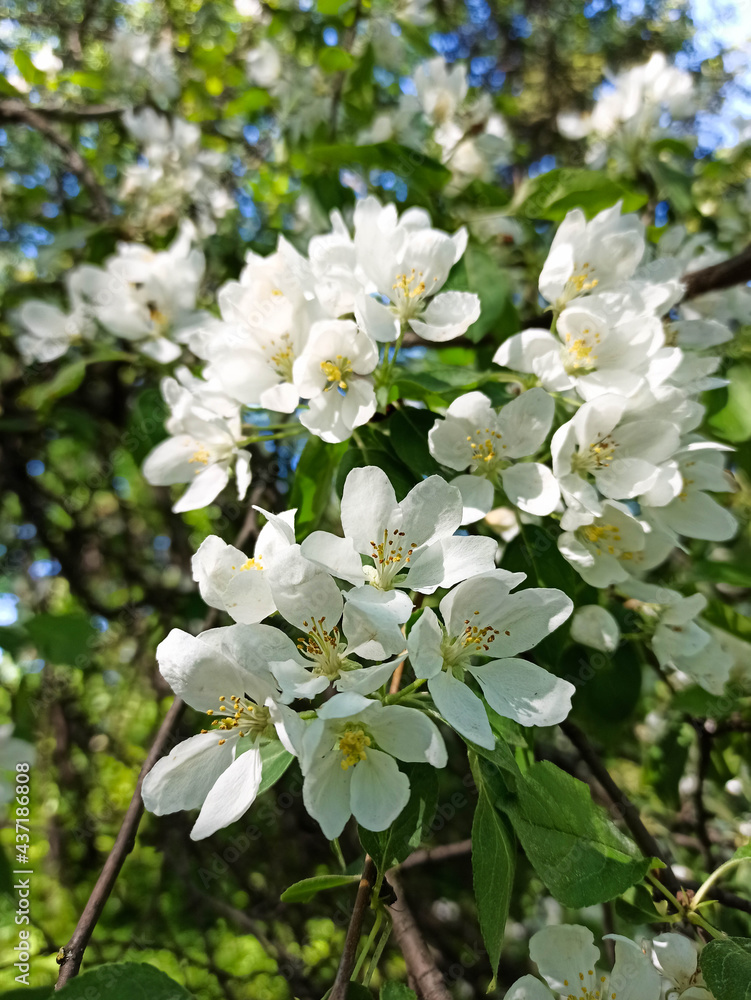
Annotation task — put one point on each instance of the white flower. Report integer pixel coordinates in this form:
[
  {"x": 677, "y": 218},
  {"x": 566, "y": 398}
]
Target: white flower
[
  {"x": 230, "y": 581},
  {"x": 330, "y": 375},
  {"x": 406, "y": 263},
  {"x": 140, "y": 61},
  {"x": 604, "y": 342},
  {"x": 595, "y": 627},
  {"x": 567, "y": 958},
  {"x": 410, "y": 544},
  {"x": 585, "y": 256},
  {"x": 46, "y": 331},
  {"x": 267, "y": 317},
  {"x": 348, "y": 761},
  {"x": 309, "y": 599},
  {"x": 676, "y": 958},
  {"x": 481, "y": 618},
  {"x": 613, "y": 546},
  {"x": 150, "y": 297},
  {"x": 473, "y": 436},
  {"x": 440, "y": 89},
  {"x": 45, "y": 60},
  {"x": 677, "y": 503},
  {"x": 202, "y": 447},
  {"x": 678, "y": 639},
  {"x": 598, "y": 451},
  {"x": 264, "y": 64},
  {"x": 221, "y": 673}
]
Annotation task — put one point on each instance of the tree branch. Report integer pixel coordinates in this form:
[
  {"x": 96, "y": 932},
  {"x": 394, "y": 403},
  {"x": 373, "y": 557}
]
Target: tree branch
[
  {"x": 424, "y": 974},
  {"x": 83, "y": 113},
  {"x": 72, "y": 954},
  {"x": 625, "y": 806},
  {"x": 349, "y": 952},
  {"x": 12, "y": 110},
  {"x": 736, "y": 271}
]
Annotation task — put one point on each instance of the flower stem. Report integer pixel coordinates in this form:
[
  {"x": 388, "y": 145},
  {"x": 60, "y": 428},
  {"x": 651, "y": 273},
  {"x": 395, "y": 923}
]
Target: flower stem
[
  {"x": 392, "y": 699},
  {"x": 366, "y": 947},
  {"x": 716, "y": 874}
]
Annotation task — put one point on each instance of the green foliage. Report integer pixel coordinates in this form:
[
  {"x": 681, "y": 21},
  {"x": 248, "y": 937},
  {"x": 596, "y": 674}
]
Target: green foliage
[
  {"x": 408, "y": 830},
  {"x": 305, "y": 890},
  {"x": 726, "y": 967}
]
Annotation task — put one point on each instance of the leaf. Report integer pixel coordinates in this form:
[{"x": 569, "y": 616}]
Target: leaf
[
  {"x": 335, "y": 60},
  {"x": 493, "y": 867},
  {"x": 479, "y": 272},
  {"x": 307, "y": 888},
  {"x": 409, "y": 829},
  {"x": 400, "y": 477},
  {"x": 275, "y": 760},
  {"x": 251, "y": 100},
  {"x": 503, "y": 758},
  {"x": 408, "y": 433},
  {"x": 63, "y": 638},
  {"x": 24, "y": 993},
  {"x": 27, "y": 69},
  {"x": 65, "y": 381},
  {"x": 578, "y": 853},
  {"x": 396, "y": 991},
  {"x": 722, "y": 572},
  {"x": 742, "y": 853},
  {"x": 312, "y": 486},
  {"x": 733, "y": 421},
  {"x": 637, "y": 906},
  {"x": 727, "y": 618},
  {"x": 419, "y": 170},
  {"x": 726, "y": 967},
  {"x": 554, "y": 194},
  {"x": 124, "y": 981}
]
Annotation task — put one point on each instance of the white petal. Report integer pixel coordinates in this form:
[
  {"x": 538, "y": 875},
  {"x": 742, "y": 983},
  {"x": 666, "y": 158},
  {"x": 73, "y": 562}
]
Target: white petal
[
  {"x": 477, "y": 496},
  {"x": 303, "y": 591},
  {"x": 525, "y": 422},
  {"x": 531, "y": 487},
  {"x": 561, "y": 953},
  {"x": 528, "y": 988},
  {"x": 633, "y": 976},
  {"x": 243, "y": 474},
  {"x": 368, "y": 501},
  {"x": 326, "y": 793},
  {"x": 231, "y": 797},
  {"x": 431, "y": 510},
  {"x": 424, "y": 644},
  {"x": 183, "y": 778},
  {"x": 676, "y": 956},
  {"x": 297, "y": 682},
  {"x": 461, "y": 708},
  {"x": 379, "y": 791},
  {"x": 368, "y": 679},
  {"x": 204, "y": 488},
  {"x": 451, "y": 560},
  {"x": 448, "y": 315},
  {"x": 520, "y": 352},
  {"x": 595, "y": 627},
  {"x": 524, "y": 692},
  {"x": 335, "y": 554},
  {"x": 376, "y": 319}
]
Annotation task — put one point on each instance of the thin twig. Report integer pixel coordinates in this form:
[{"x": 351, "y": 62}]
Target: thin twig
[
  {"x": 620, "y": 800},
  {"x": 735, "y": 271},
  {"x": 12, "y": 110},
  {"x": 424, "y": 974},
  {"x": 435, "y": 855},
  {"x": 72, "y": 954},
  {"x": 349, "y": 952}
]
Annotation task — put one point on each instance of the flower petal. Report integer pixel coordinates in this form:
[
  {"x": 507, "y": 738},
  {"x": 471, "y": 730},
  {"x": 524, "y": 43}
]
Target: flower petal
[
  {"x": 379, "y": 791},
  {"x": 562, "y": 953},
  {"x": 183, "y": 778},
  {"x": 531, "y": 487},
  {"x": 524, "y": 692},
  {"x": 232, "y": 795},
  {"x": 461, "y": 708}
]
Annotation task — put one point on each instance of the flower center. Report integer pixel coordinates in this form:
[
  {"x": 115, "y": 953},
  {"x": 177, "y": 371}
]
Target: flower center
[
  {"x": 324, "y": 649},
  {"x": 352, "y": 747},
  {"x": 604, "y": 538},
  {"x": 283, "y": 357},
  {"x": 158, "y": 318},
  {"x": 484, "y": 447},
  {"x": 254, "y": 563},
  {"x": 408, "y": 293},
  {"x": 242, "y": 714},
  {"x": 578, "y": 354},
  {"x": 581, "y": 280},
  {"x": 589, "y": 988},
  {"x": 337, "y": 372},
  {"x": 598, "y": 455},
  {"x": 389, "y": 556},
  {"x": 200, "y": 456},
  {"x": 474, "y": 640}
]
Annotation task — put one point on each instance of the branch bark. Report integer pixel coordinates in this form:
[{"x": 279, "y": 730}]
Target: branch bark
[
  {"x": 12, "y": 110},
  {"x": 735, "y": 271},
  {"x": 349, "y": 952},
  {"x": 425, "y": 977},
  {"x": 72, "y": 954}
]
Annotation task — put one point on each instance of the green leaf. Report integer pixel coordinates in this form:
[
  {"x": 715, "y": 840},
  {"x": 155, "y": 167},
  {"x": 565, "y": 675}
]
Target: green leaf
[
  {"x": 396, "y": 991},
  {"x": 727, "y": 618},
  {"x": 335, "y": 60},
  {"x": 503, "y": 759},
  {"x": 726, "y": 967},
  {"x": 307, "y": 888},
  {"x": 408, "y": 433},
  {"x": 479, "y": 272},
  {"x": 330, "y": 8},
  {"x": 409, "y": 829},
  {"x": 27, "y": 69},
  {"x": 400, "y": 477},
  {"x": 249, "y": 101},
  {"x": 313, "y": 483},
  {"x": 421, "y": 171},
  {"x": 637, "y": 906},
  {"x": 721, "y": 572},
  {"x": 554, "y": 194},
  {"x": 66, "y": 380},
  {"x": 493, "y": 867},
  {"x": 733, "y": 421},
  {"x": 35, "y": 993},
  {"x": 742, "y": 852},
  {"x": 275, "y": 760},
  {"x": 63, "y": 638},
  {"x": 123, "y": 981},
  {"x": 578, "y": 853}
]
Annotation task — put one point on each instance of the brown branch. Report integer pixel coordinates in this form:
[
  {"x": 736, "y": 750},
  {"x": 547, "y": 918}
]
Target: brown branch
[
  {"x": 12, "y": 110},
  {"x": 735, "y": 271},
  {"x": 620, "y": 800},
  {"x": 424, "y": 975},
  {"x": 72, "y": 954},
  {"x": 349, "y": 952},
  {"x": 83, "y": 113},
  {"x": 434, "y": 855}
]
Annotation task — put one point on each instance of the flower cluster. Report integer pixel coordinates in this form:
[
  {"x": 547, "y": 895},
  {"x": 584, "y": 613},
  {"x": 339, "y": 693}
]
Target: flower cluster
[{"x": 347, "y": 600}]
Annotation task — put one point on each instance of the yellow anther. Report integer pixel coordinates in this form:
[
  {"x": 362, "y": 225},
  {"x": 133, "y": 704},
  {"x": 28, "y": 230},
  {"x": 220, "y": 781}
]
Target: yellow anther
[{"x": 352, "y": 745}]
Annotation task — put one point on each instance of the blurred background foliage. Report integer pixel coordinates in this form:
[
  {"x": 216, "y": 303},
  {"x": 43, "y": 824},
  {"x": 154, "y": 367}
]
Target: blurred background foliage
[{"x": 95, "y": 567}]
